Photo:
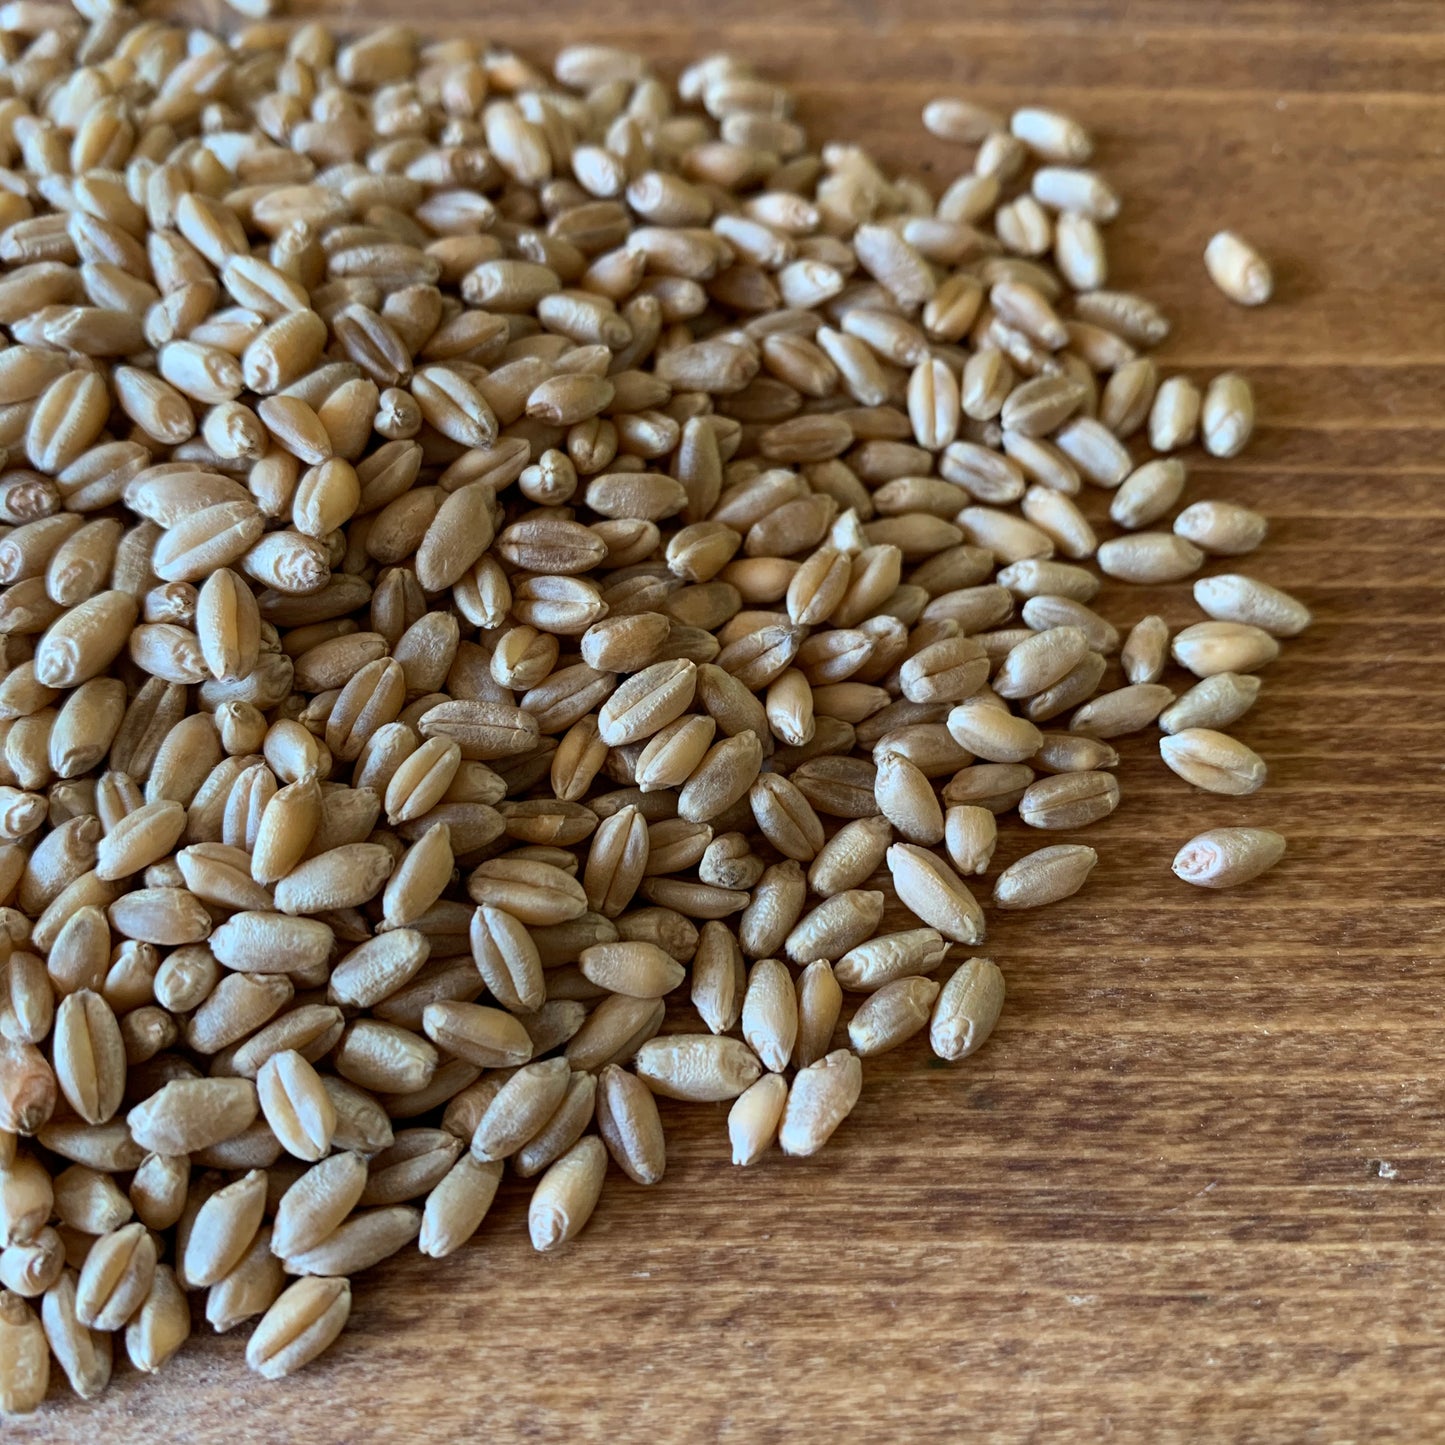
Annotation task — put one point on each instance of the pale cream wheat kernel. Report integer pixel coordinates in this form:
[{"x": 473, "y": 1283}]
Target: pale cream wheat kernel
[
  {"x": 967, "y": 1008},
  {"x": 567, "y": 1194},
  {"x": 1044, "y": 876},
  {"x": 301, "y": 1324},
  {"x": 1225, "y": 857},
  {"x": 930, "y": 888},
  {"x": 24, "y": 1356},
  {"x": 755, "y": 1116},
  {"x": 892, "y": 1015},
  {"x": 1221, "y": 527},
  {"x": 1231, "y": 597},
  {"x": 1227, "y": 422},
  {"x": 820, "y": 1098},
  {"x": 1208, "y": 648},
  {"x": 629, "y": 1123},
  {"x": 770, "y": 1013},
  {"x": 1213, "y": 702},
  {"x": 1238, "y": 269},
  {"x": 1145, "y": 653},
  {"x": 1213, "y": 761}
]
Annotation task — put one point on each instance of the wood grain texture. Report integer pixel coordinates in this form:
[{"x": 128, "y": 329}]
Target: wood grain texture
[{"x": 1190, "y": 1189}]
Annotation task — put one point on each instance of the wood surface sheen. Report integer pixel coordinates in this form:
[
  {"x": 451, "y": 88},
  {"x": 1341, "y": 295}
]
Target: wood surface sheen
[{"x": 1191, "y": 1189}]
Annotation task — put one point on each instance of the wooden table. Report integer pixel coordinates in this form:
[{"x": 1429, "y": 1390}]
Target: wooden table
[{"x": 1189, "y": 1190}]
